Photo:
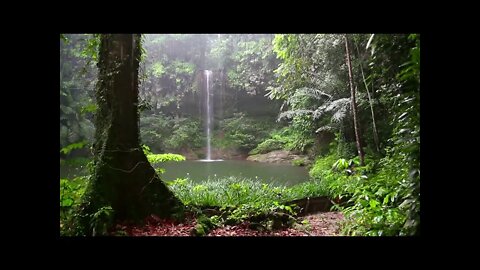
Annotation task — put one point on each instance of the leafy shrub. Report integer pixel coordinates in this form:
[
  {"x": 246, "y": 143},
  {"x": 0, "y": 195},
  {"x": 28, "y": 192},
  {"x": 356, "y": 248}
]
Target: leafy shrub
[
  {"x": 187, "y": 134},
  {"x": 287, "y": 138},
  {"x": 159, "y": 158},
  {"x": 71, "y": 192},
  {"x": 155, "y": 129},
  {"x": 267, "y": 146},
  {"x": 299, "y": 162},
  {"x": 375, "y": 210},
  {"x": 102, "y": 220},
  {"x": 378, "y": 205},
  {"x": 244, "y": 132},
  {"x": 67, "y": 149},
  {"x": 322, "y": 166},
  {"x": 340, "y": 165},
  {"x": 162, "y": 132}
]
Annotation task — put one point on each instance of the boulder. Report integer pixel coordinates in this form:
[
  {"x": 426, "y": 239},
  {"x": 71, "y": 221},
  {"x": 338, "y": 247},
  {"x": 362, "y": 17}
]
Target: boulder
[{"x": 277, "y": 156}]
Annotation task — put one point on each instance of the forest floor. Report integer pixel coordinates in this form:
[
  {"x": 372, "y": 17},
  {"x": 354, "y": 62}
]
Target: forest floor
[{"x": 319, "y": 224}]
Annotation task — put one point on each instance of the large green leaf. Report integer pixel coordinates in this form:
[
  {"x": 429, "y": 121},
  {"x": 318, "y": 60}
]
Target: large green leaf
[
  {"x": 67, "y": 202},
  {"x": 374, "y": 203},
  {"x": 67, "y": 149}
]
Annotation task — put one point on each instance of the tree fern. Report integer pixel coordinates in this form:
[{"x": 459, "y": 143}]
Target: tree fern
[
  {"x": 340, "y": 108},
  {"x": 290, "y": 114},
  {"x": 312, "y": 92},
  {"x": 336, "y": 109}
]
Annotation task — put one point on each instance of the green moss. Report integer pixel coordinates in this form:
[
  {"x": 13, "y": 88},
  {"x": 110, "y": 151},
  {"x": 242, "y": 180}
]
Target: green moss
[
  {"x": 199, "y": 230},
  {"x": 299, "y": 162}
]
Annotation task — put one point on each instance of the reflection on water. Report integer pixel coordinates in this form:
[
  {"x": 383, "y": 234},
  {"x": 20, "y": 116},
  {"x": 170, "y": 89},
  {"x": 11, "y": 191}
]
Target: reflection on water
[
  {"x": 265, "y": 172},
  {"x": 199, "y": 171}
]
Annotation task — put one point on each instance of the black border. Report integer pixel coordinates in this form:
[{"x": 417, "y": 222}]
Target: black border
[{"x": 42, "y": 133}]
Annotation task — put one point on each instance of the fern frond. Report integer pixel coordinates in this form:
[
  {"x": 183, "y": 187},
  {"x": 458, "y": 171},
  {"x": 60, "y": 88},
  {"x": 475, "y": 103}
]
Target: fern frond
[
  {"x": 292, "y": 113},
  {"x": 325, "y": 128},
  {"x": 339, "y": 104},
  {"x": 312, "y": 92}
]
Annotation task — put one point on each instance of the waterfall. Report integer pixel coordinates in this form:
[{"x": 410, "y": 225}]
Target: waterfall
[{"x": 209, "y": 116}]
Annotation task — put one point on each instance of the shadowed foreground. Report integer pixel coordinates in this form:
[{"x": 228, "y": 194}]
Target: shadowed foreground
[{"x": 320, "y": 224}]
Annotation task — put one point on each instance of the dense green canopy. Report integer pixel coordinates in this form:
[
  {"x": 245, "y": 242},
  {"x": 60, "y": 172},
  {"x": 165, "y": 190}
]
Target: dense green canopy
[{"x": 337, "y": 99}]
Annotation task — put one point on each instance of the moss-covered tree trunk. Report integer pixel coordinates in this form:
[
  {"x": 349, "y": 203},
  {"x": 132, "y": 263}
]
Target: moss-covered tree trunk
[{"x": 123, "y": 178}]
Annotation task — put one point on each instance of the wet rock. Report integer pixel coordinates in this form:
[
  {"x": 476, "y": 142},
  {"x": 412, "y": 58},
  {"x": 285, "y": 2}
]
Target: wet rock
[{"x": 278, "y": 156}]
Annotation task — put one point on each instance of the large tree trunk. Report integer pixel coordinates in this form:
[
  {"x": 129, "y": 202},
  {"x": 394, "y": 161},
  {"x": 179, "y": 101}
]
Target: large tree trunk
[
  {"x": 123, "y": 178},
  {"x": 354, "y": 105}
]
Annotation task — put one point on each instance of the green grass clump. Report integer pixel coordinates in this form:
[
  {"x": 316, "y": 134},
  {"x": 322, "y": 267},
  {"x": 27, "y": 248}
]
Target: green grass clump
[{"x": 236, "y": 191}]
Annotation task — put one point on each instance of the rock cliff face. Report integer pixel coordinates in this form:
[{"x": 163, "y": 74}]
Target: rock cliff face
[{"x": 279, "y": 156}]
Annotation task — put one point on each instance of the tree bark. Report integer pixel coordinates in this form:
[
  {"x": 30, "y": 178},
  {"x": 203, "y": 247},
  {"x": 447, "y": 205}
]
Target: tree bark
[
  {"x": 123, "y": 178},
  {"x": 354, "y": 105}
]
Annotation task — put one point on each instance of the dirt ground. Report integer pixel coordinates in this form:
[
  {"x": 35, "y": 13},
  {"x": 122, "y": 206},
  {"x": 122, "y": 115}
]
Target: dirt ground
[{"x": 319, "y": 224}]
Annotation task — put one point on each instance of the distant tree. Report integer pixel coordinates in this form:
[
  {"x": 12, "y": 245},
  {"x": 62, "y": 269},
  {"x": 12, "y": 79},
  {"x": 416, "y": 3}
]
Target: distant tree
[
  {"x": 124, "y": 185},
  {"x": 370, "y": 99},
  {"x": 312, "y": 81},
  {"x": 77, "y": 81},
  {"x": 356, "y": 122}
]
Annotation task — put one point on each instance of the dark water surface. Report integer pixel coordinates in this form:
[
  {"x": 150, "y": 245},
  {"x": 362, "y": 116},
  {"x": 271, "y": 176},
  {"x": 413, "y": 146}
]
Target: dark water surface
[
  {"x": 266, "y": 172},
  {"x": 199, "y": 171}
]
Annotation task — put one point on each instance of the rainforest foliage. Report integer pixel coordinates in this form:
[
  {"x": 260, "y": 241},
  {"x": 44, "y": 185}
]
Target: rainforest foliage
[{"x": 338, "y": 99}]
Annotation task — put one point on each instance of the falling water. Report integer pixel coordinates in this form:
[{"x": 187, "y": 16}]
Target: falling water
[{"x": 208, "y": 73}]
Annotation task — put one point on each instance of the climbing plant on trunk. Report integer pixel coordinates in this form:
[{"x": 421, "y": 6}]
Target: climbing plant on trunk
[{"x": 124, "y": 186}]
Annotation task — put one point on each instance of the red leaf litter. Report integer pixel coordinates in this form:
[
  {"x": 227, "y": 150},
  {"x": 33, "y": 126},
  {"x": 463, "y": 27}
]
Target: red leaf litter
[{"x": 320, "y": 224}]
